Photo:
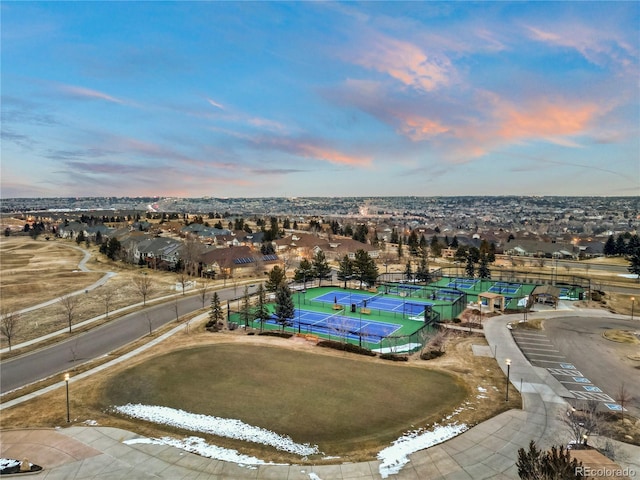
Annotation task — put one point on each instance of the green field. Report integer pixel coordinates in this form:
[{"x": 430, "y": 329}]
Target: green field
[{"x": 338, "y": 403}]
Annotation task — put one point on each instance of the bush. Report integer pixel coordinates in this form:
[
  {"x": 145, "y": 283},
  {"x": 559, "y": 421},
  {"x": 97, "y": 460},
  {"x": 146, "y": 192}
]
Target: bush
[
  {"x": 394, "y": 357},
  {"x": 272, "y": 333},
  {"x": 346, "y": 347},
  {"x": 456, "y": 320},
  {"x": 431, "y": 354}
]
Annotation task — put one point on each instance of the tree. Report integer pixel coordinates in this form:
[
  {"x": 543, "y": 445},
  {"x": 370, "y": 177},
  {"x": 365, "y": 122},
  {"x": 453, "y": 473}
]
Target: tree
[
  {"x": 144, "y": 285},
  {"x": 276, "y": 278},
  {"x": 303, "y": 272},
  {"x": 285, "y": 310},
  {"x": 261, "y": 311},
  {"x": 483, "y": 269},
  {"x": 620, "y": 246},
  {"x": 107, "y": 294},
  {"x": 436, "y": 247},
  {"x": 9, "y": 324},
  {"x": 345, "y": 269},
  {"x": 623, "y": 397},
  {"x": 609, "y": 248},
  {"x": 582, "y": 422},
  {"x": 422, "y": 272},
  {"x": 408, "y": 272},
  {"x": 555, "y": 464},
  {"x": 364, "y": 268},
  {"x": 245, "y": 308},
  {"x": 216, "y": 315},
  {"x": 203, "y": 291},
  {"x": 400, "y": 252},
  {"x": 470, "y": 269},
  {"x": 80, "y": 238},
  {"x": 69, "y": 304},
  {"x": 7, "y": 232},
  {"x": 634, "y": 264},
  {"x": 321, "y": 268}
]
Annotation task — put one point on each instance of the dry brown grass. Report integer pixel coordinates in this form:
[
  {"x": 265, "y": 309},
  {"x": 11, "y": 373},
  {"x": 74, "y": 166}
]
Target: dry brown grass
[
  {"x": 621, "y": 336},
  {"x": 86, "y": 395}
]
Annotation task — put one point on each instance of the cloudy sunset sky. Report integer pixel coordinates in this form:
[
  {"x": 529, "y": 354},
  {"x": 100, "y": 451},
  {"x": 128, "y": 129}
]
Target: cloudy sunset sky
[{"x": 262, "y": 99}]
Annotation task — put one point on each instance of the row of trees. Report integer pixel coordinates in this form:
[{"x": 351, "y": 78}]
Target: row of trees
[{"x": 623, "y": 244}]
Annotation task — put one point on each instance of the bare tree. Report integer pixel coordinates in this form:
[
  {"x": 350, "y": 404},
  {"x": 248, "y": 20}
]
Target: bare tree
[
  {"x": 107, "y": 295},
  {"x": 9, "y": 324},
  {"x": 183, "y": 279},
  {"x": 191, "y": 255},
  {"x": 144, "y": 285},
  {"x": 342, "y": 326},
  {"x": 69, "y": 304},
  {"x": 175, "y": 309},
  {"x": 149, "y": 322},
  {"x": 582, "y": 421},
  {"x": 623, "y": 397},
  {"x": 203, "y": 291}
]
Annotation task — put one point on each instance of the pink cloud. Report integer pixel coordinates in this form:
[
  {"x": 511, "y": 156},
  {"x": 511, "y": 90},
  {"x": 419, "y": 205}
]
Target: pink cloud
[
  {"x": 311, "y": 149},
  {"x": 82, "y": 92},
  {"x": 405, "y": 62},
  {"x": 419, "y": 128}
]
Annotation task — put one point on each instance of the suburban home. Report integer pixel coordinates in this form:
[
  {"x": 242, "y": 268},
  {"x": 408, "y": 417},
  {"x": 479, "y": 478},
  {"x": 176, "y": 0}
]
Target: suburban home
[
  {"x": 158, "y": 252},
  {"x": 235, "y": 262},
  {"x": 534, "y": 248}
]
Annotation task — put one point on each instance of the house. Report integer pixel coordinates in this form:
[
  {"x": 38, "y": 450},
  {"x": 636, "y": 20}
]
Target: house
[
  {"x": 232, "y": 262},
  {"x": 535, "y": 248},
  {"x": 157, "y": 252}
]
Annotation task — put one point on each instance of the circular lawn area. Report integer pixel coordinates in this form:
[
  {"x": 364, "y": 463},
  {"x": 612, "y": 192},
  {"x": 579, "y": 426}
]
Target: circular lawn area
[{"x": 341, "y": 404}]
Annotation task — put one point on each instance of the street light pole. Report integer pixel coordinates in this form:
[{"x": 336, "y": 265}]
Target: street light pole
[
  {"x": 66, "y": 380},
  {"x": 508, "y": 362},
  {"x": 632, "y": 302}
]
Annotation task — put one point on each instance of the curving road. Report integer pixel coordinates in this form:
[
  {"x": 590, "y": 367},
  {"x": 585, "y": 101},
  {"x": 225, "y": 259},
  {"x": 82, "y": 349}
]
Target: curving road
[{"x": 62, "y": 356}]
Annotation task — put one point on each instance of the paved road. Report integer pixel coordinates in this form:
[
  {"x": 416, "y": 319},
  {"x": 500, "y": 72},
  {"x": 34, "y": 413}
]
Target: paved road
[{"x": 58, "y": 358}]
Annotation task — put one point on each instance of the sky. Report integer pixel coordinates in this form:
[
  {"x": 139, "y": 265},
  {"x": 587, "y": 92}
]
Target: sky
[{"x": 270, "y": 99}]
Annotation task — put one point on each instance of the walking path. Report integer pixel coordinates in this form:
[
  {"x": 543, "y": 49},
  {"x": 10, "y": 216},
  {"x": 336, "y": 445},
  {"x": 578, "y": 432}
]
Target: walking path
[{"x": 487, "y": 451}]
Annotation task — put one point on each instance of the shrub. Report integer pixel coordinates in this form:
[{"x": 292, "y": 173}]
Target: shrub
[
  {"x": 431, "y": 354},
  {"x": 276, "y": 334},
  {"x": 346, "y": 347},
  {"x": 394, "y": 357}
]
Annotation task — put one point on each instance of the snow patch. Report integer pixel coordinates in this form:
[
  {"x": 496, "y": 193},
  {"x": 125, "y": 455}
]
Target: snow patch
[
  {"x": 200, "y": 447},
  {"x": 400, "y": 348},
  {"x": 394, "y": 457},
  {"x": 313, "y": 476},
  {"x": 482, "y": 390},
  {"x": 222, "y": 427},
  {"x": 91, "y": 423}
]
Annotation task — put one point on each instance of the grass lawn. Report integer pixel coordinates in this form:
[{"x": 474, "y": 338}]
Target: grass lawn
[{"x": 340, "y": 404}]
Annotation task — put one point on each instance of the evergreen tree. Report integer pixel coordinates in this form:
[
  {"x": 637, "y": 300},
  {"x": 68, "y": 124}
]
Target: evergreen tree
[
  {"x": 634, "y": 264},
  {"x": 345, "y": 269},
  {"x": 555, "y": 464},
  {"x": 285, "y": 310},
  {"x": 276, "y": 278},
  {"x": 394, "y": 236},
  {"x": 261, "y": 311},
  {"x": 483, "y": 269},
  {"x": 436, "y": 247},
  {"x": 491, "y": 256},
  {"x": 422, "y": 272},
  {"x": 412, "y": 242},
  {"x": 400, "y": 252},
  {"x": 470, "y": 268},
  {"x": 304, "y": 272},
  {"x": 620, "y": 246},
  {"x": 245, "y": 307},
  {"x": 321, "y": 268},
  {"x": 80, "y": 238},
  {"x": 408, "y": 271},
  {"x": 216, "y": 315},
  {"x": 364, "y": 268},
  {"x": 609, "y": 247}
]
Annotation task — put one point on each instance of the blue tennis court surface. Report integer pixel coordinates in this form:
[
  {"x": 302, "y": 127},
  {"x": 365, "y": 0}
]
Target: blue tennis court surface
[
  {"x": 377, "y": 301},
  {"x": 352, "y": 328},
  {"x": 503, "y": 287},
  {"x": 462, "y": 283}
]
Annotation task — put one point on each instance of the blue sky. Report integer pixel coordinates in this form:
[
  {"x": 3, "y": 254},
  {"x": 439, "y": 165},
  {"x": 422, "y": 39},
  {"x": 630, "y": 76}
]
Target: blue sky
[{"x": 257, "y": 99}]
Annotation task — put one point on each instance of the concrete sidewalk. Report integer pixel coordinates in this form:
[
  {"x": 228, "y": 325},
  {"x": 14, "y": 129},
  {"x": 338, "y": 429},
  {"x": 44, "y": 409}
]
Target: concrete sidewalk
[{"x": 487, "y": 451}]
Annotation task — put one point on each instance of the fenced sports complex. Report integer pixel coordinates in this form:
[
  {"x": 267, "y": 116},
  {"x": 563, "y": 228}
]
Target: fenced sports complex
[{"x": 398, "y": 315}]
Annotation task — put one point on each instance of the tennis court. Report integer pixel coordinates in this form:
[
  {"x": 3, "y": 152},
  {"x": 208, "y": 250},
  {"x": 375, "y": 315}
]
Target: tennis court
[
  {"x": 504, "y": 287},
  {"x": 352, "y": 328},
  {"x": 379, "y": 301},
  {"x": 462, "y": 283}
]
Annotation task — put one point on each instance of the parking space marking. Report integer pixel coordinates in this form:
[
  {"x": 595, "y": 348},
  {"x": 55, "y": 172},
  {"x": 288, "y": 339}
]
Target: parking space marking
[
  {"x": 545, "y": 355},
  {"x": 615, "y": 407},
  {"x": 564, "y": 372},
  {"x": 600, "y": 397},
  {"x": 567, "y": 365},
  {"x": 592, "y": 388}
]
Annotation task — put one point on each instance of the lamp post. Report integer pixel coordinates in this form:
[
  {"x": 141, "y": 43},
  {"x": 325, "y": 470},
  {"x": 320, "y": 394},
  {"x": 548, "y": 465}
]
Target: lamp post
[
  {"x": 508, "y": 362},
  {"x": 66, "y": 381},
  {"x": 633, "y": 300}
]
